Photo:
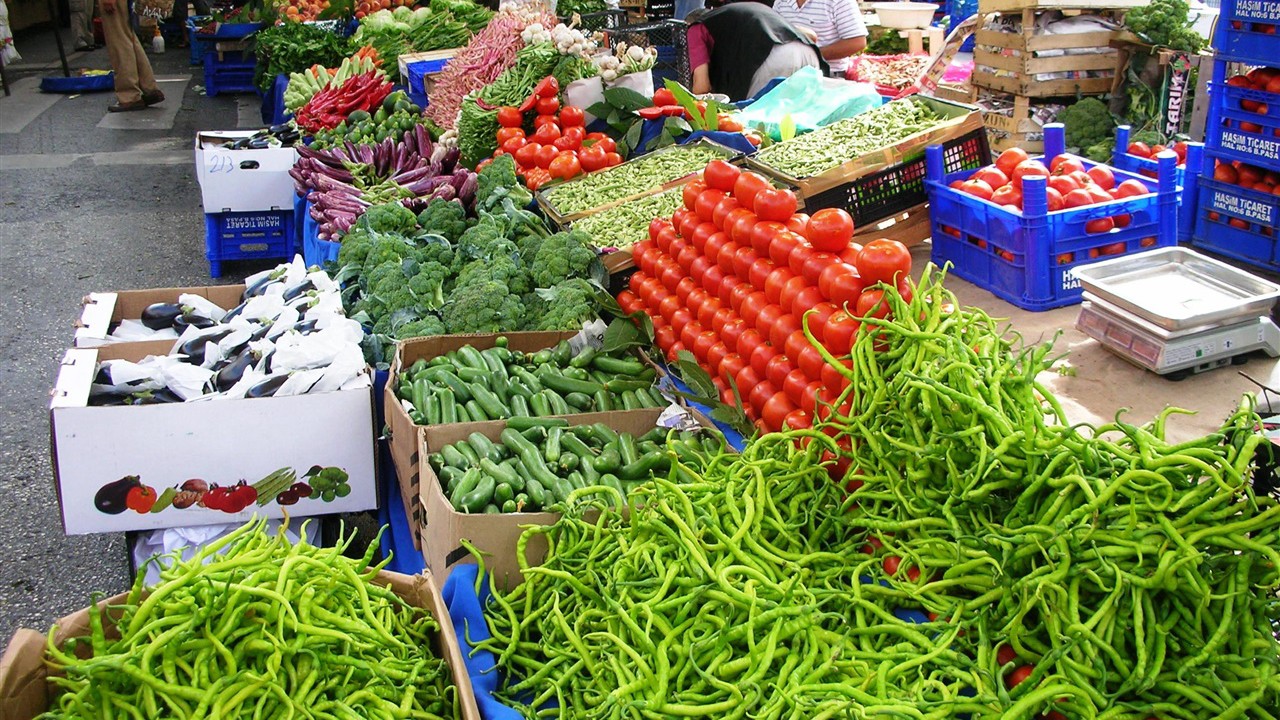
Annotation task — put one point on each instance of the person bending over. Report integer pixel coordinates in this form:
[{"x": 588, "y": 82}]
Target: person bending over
[{"x": 736, "y": 49}]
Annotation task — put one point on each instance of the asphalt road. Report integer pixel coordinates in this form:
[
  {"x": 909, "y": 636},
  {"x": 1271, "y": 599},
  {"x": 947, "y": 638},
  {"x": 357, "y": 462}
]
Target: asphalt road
[{"x": 82, "y": 209}]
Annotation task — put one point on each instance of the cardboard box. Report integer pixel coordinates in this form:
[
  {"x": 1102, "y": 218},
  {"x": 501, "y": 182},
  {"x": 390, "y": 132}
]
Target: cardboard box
[
  {"x": 404, "y": 434},
  {"x": 100, "y": 313},
  {"x": 242, "y": 180},
  {"x": 219, "y": 441},
  {"x": 495, "y": 535},
  {"x": 26, "y": 693}
]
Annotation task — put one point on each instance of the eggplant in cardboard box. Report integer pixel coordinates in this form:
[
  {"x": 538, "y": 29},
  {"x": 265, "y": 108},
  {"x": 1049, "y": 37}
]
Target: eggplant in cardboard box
[{"x": 121, "y": 468}]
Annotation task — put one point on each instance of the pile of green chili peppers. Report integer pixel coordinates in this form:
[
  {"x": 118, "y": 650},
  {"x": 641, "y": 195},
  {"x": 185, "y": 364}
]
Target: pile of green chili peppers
[
  {"x": 1127, "y": 577},
  {"x": 269, "y": 629}
]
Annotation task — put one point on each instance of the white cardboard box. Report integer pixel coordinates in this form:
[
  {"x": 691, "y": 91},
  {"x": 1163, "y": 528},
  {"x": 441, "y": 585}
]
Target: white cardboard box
[
  {"x": 218, "y": 441},
  {"x": 242, "y": 180},
  {"x": 101, "y": 312}
]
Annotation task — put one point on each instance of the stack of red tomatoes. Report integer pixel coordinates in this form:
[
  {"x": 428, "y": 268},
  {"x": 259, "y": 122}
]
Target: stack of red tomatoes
[
  {"x": 556, "y": 146},
  {"x": 1069, "y": 185},
  {"x": 734, "y": 273}
]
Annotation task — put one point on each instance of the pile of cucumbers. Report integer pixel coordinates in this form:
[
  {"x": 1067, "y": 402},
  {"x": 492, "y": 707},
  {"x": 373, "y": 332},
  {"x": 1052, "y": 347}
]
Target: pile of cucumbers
[
  {"x": 537, "y": 462},
  {"x": 471, "y": 385}
]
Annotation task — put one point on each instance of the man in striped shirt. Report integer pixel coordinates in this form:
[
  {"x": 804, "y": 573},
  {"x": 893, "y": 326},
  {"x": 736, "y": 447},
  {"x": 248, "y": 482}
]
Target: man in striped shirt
[{"x": 837, "y": 25}]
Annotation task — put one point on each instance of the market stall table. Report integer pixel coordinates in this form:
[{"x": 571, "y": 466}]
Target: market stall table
[{"x": 1094, "y": 383}]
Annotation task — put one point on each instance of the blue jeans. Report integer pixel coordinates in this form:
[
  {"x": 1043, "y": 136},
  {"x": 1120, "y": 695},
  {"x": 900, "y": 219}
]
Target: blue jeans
[{"x": 684, "y": 7}]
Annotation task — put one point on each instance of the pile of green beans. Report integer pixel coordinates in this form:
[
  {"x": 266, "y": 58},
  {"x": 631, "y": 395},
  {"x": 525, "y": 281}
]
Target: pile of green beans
[
  {"x": 631, "y": 178},
  {"x": 269, "y": 629},
  {"x": 1037, "y": 567},
  {"x": 627, "y": 224},
  {"x": 829, "y": 147},
  {"x": 1132, "y": 574}
]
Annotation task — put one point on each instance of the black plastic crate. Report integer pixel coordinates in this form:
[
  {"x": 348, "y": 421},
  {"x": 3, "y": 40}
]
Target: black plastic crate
[
  {"x": 668, "y": 38},
  {"x": 598, "y": 21},
  {"x": 874, "y": 197}
]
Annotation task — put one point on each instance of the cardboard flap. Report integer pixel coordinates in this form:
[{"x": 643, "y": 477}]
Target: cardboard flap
[
  {"x": 75, "y": 375},
  {"x": 23, "y": 692},
  {"x": 95, "y": 315}
]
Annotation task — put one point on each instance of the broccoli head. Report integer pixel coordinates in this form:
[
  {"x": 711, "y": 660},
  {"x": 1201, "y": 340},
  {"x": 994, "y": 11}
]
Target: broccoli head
[
  {"x": 387, "y": 248},
  {"x": 568, "y": 306},
  {"x": 428, "y": 284},
  {"x": 434, "y": 248},
  {"x": 355, "y": 247},
  {"x": 500, "y": 269},
  {"x": 497, "y": 181},
  {"x": 422, "y": 327},
  {"x": 446, "y": 218},
  {"x": 482, "y": 307},
  {"x": 1088, "y": 122},
  {"x": 562, "y": 256},
  {"x": 1165, "y": 23},
  {"x": 389, "y": 217},
  {"x": 484, "y": 241}
]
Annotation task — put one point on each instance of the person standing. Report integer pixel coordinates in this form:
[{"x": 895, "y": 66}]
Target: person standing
[
  {"x": 136, "y": 87},
  {"x": 82, "y": 25},
  {"x": 736, "y": 49},
  {"x": 836, "y": 24}
]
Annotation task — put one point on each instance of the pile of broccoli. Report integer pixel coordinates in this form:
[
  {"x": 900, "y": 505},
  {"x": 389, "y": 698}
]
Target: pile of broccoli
[
  {"x": 1165, "y": 23},
  {"x": 1089, "y": 128},
  {"x": 441, "y": 272}
]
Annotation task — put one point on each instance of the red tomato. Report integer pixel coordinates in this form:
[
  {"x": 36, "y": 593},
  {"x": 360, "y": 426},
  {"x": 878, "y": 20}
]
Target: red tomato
[
  {"x": 656, "y": 226},
  {"x": 687, "y": 257},
  {"x": 612, "y": 159},
  {"x": 671, "y": 278},
  {"x": 751, "y": 307},
  {"x": 723, "y": 317},
  {"x": 715, "y": 356},
  {"x": 1115, "y": 248},
  {"x": 1010, "y": 159},
  {"x": 1098, "y": 194},
  {"x": 976, "y": 188},
  {"x": 838, "y": 333},
  {"x": 703, "y": 344},
  {"x": 743, "y": 260},
  {"x": 527, "y": 155},
  {"x": 711, "y": 280},
  {"x": 1020, "y": 675},
  {"x": 513, "y": 145},
  {"x": 991, "y": 175},
  {"x": 776, "y": 410},
  {"x": 762, "y": 235},
  {"x": 731, "y": 220},
  {"x": 721, "y": 175},
  {"x": 1028, "y": 168},
  {"x": 665, "y": 336},
  {"x": 891, "y": 564},
  {"x": 793, "y": 386},
  {"x": 829, "y": 274},
  {"x": 760, "y": 394},
  {"x": 545, "y": 155},
  {"x": 1063, "y": 184},
  {"x": 663, "y": 97},
  {"x": 1122, "y": 221},
  {"x": 1102, "y": 176},
  {"x": 798, "y": 223},
  {"x": 782, "y": 328},
  {"x": 506, "y": 133},
  {"x": 592, "y": 158},
  {"x": 883, "y": 261},
  {"x": 726, "y": 205},
  {"x": 738, "y": 294},
  {"x": 728, "y": 256},
  {"x": 565, "y": 166},
  {"x": 698, "y": 268},
  {"x": 1131, "y": 188},
  {"x": 871, "y": 303},
  {"x": 571, "y": 116},
  {"x": 782, "y": 245},
  {"x": 747, "y": 186},
  {"x": 1139, "y": 149},
  {"x": 846, "y": 288},
  {"x": 1077, "y": 198},
  {"x": 707, "y": 202},
  {"x": 777, "y": 369},
  {"x": 667, "y": 308},
  {"x": 731, "y": 331},
  {"x": 683, "y": 287},
  {"x": 768, "y": 317},
  {"x": 707, "y": 311},
  {"x": 1005, "y": 655},
  {"x": 701, "y": 233},
  {"x": 547, "y": 134},
  {"x": 775, "y": 204},
  {"x": 747, "y": 344},
  {"x": 711, "y": 250},
  {"x": 1008, "y": 195},
  {"x": 830, "y": 230},
  {"x": 816, "y": 319},
  {"x": 741, "y": 225},
  {"x": 1065, "y": 165},
  {"x": 548, "y": 105},
  {"x": 815, "y": 264},
  {"x": 760, "y": 271},
  {"x": 811, "y": 363},
  {"x": 691, "y": 191},
  {"x": 1053, "y": 199},
  {"x": 1082, "y": 178},
  {"x": 732, "y": 364},
  {"x": 509, "y": 117},
  {"x": 567, "y": 142},
  {"x": 1101, "y": 225},
  {"x": 791, "y": 290},
  {"x": 799, "y": 256},
  {"x": 797, "y": 420}
]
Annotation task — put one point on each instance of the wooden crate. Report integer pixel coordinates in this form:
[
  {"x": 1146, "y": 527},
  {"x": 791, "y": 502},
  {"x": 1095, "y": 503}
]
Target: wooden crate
[
  {"x": 909, "y": 227},
  {"x": 1042, "y": 88},
  {"x": 1015, "y": 128},
  {"x": 1025, "y": 65}
]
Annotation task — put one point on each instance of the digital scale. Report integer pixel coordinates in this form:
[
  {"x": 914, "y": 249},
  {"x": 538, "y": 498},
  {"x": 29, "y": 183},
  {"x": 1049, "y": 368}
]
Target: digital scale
[{"x": 1176, "y": 312}]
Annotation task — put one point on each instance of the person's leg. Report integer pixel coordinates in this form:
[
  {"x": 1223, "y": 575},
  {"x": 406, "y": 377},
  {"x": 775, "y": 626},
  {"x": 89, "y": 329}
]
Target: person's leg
[
  {"x": 783, "y": 61},
  {"x": 120, "y": 49},
  {"x": 146, "y": 80},
  {"x": 81, "y": 23}
]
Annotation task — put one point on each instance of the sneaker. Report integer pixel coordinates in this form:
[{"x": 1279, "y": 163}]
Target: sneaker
[{"x": 152, "y": 98}]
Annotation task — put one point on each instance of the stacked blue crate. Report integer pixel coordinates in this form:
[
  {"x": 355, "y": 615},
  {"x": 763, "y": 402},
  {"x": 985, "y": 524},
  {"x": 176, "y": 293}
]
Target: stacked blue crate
[
  {"x": 958, "y": 11},
  {"x": 1235, "y": 219}
]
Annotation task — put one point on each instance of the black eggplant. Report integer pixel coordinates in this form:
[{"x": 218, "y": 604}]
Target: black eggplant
[
  {"x": 234, "y": 312},
  {"x": 199, "y": 322},
  {"x": 195, "y": 347},
  {"x": 107, "y": 400},
  {"x": 265, "y": 363},
  {"x": 111, "y": 498},
  {"x": 230, "y": 374},
  {"x": 163, "y": 396},
  {"x": 296, "y": 290},
  {"x": 280, "y": 129},
  {"x": 304, "y": 326},
  {"x": 268, "y": 387},
  {"x": 260, "y": 286},
  {"x": 159, "y": 316}
]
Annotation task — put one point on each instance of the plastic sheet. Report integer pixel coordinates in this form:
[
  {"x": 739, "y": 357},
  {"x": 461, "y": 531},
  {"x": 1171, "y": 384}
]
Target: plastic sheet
[{"x": 811, "y": 100}]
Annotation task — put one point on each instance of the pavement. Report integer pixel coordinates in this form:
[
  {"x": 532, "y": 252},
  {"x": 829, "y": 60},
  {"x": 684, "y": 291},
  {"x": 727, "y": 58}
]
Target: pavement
[{"x": 88, "y": 202}]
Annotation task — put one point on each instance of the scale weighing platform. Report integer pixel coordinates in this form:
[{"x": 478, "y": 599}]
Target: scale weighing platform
[{"x": 1176, "y": 312}]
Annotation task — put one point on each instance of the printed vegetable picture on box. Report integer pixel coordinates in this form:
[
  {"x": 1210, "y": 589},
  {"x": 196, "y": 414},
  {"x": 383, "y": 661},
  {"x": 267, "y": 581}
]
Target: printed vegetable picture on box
[{"x": 282, "y": 487}]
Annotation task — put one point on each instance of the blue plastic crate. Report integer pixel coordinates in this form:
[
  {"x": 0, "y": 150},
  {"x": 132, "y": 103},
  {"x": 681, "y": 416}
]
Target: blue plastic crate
[
  {"x": 318, "y": 252},
  {"x": 273, "y": 111},
  {"x": 1221, "y": 203},
  {"x": 1026, "y": 258},
  {"x": 1246, "y": 31},
  {"x": 247, "y": 236},
  {"x": 1235, "y": 130},
  {"x": 299, "y": 222},
  {"x": 235, "y": 31},
  {"x": 1186, "y": 177},
  {"x": 198, "y": 46},
  {"x": 230, "y": 73}
]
